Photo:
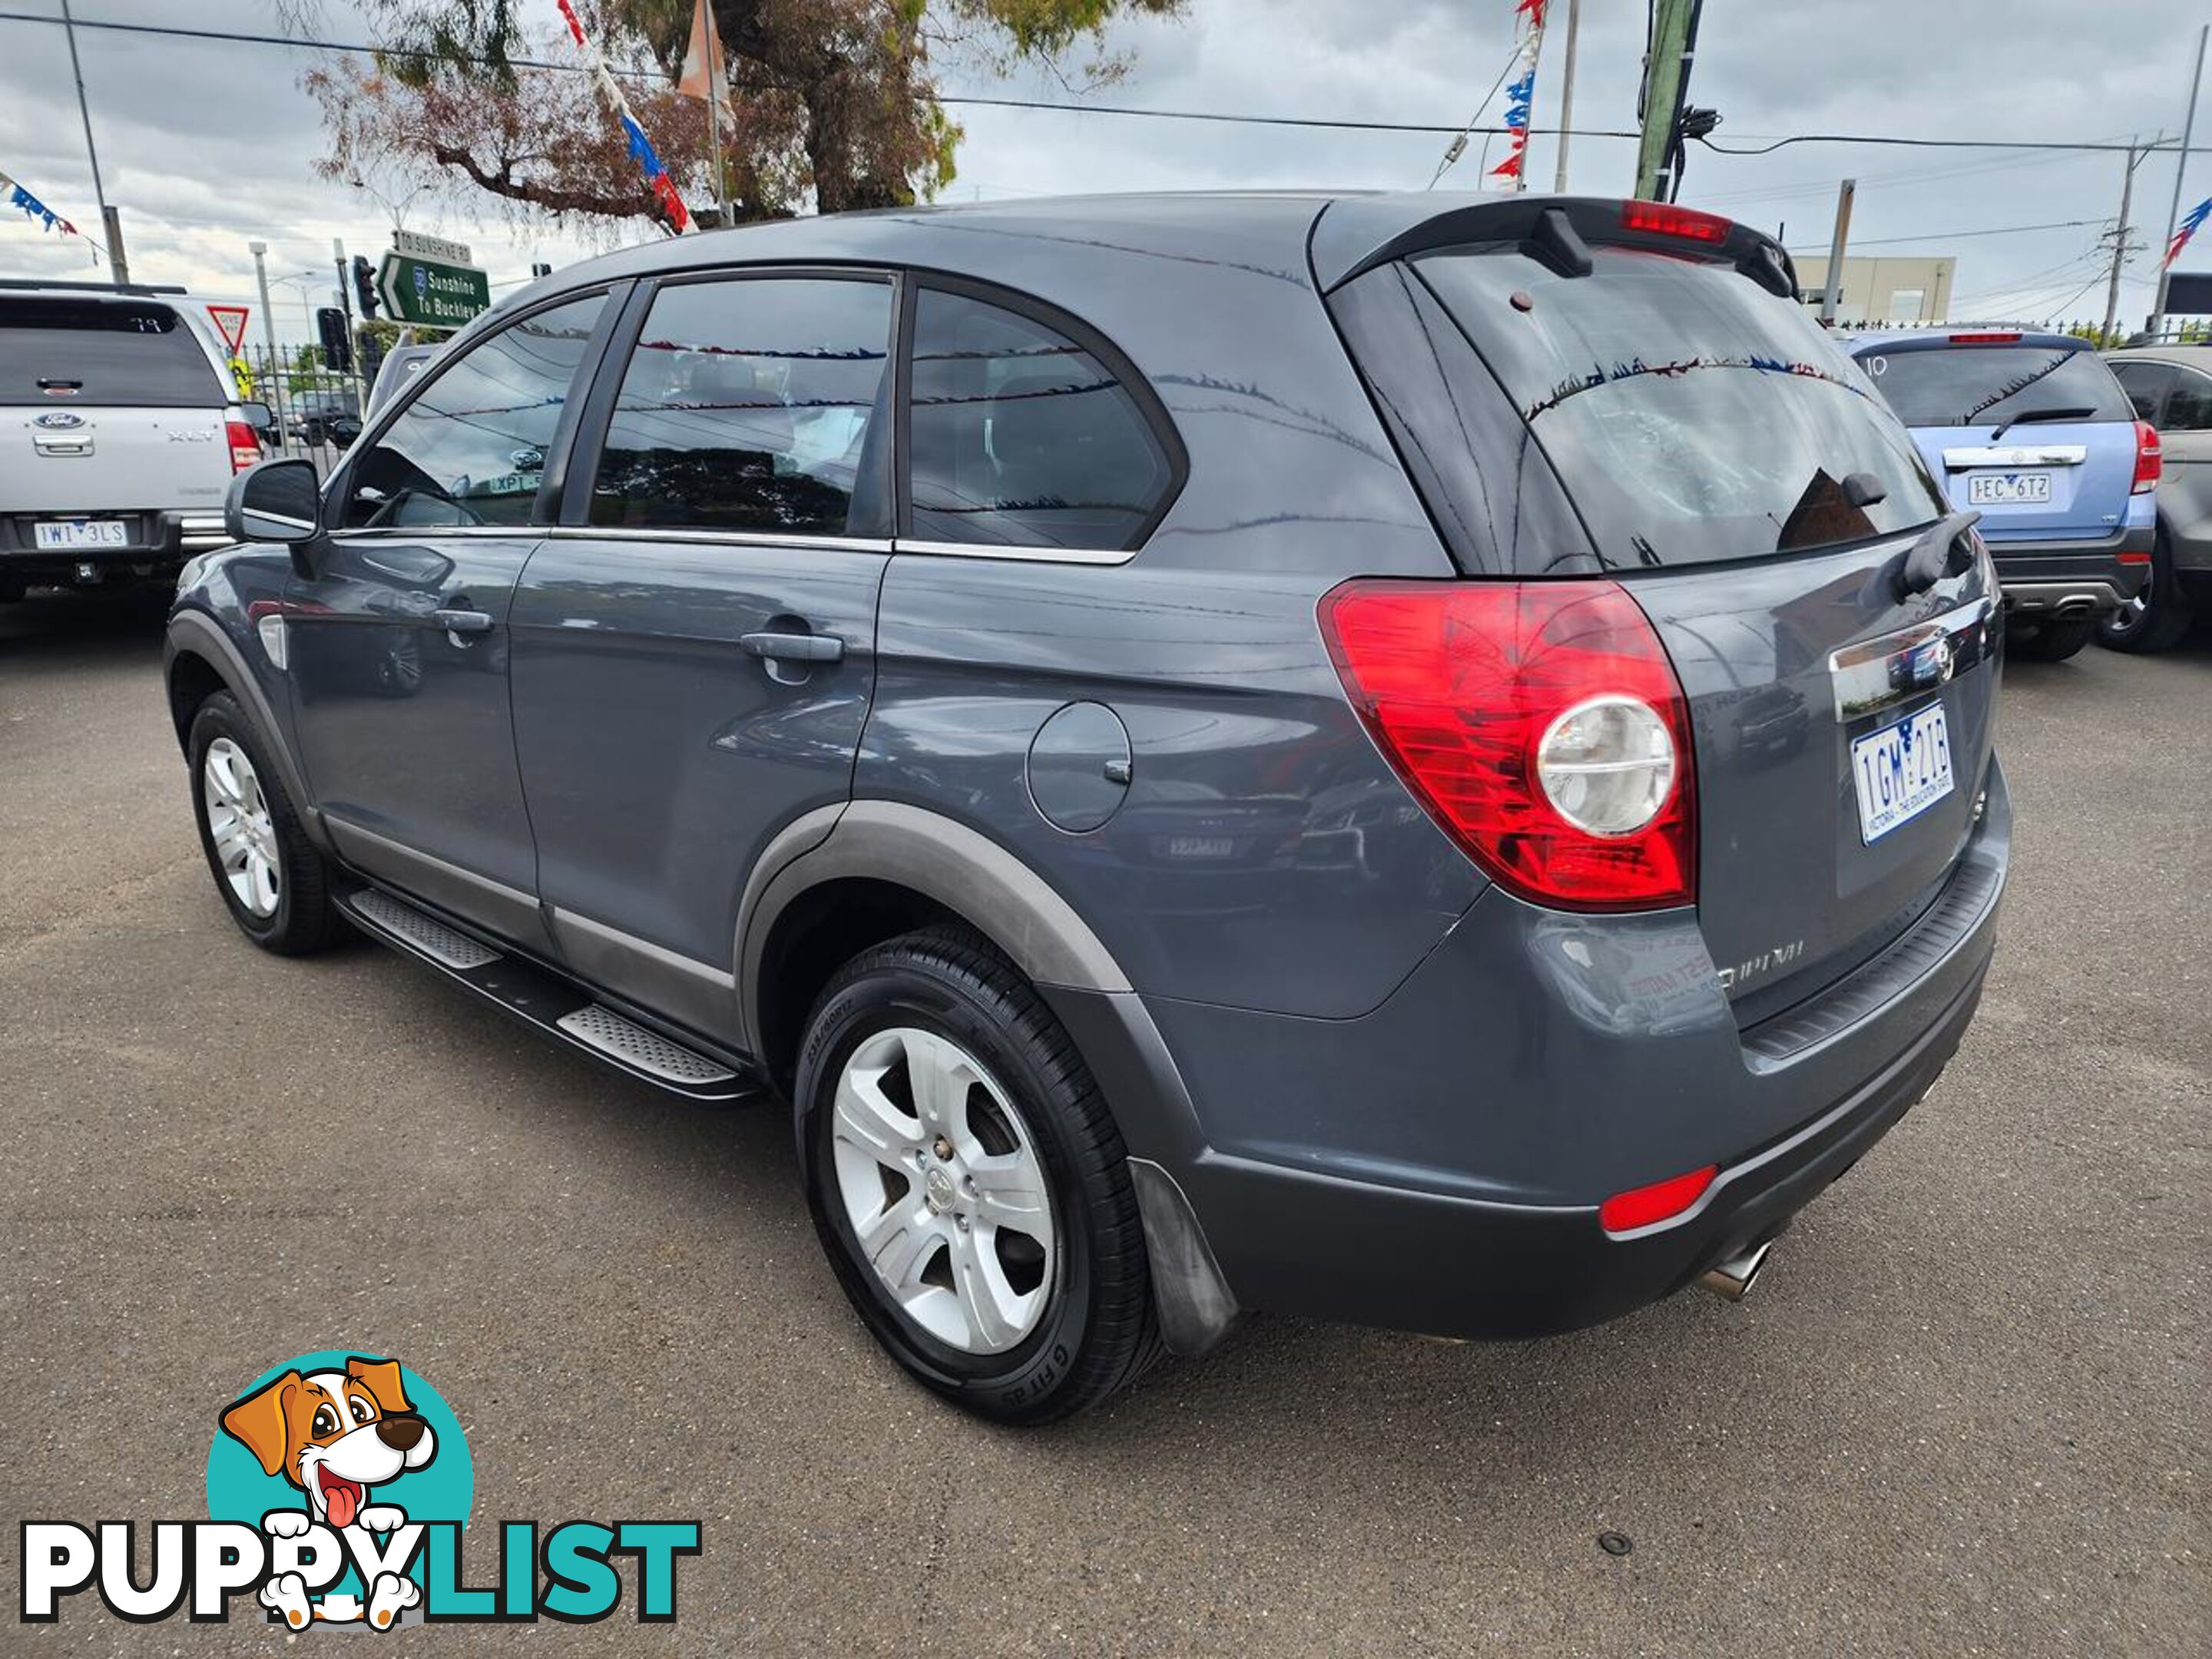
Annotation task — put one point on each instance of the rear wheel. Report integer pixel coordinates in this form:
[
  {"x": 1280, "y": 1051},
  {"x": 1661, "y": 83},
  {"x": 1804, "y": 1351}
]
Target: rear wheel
[
  {"x": 2156, "y": 618},
  {"x": 275, "y": 885},
  {"x": 2050, "y": 642},
  {"x": 968, "y": 1183}
]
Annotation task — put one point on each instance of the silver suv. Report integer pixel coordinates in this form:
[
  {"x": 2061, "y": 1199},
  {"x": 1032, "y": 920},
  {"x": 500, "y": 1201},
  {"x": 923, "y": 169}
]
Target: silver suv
[{"x": 122, "y": 432}]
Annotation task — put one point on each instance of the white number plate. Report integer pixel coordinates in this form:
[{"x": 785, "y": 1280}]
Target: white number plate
[
  {"x": 83, "y": 532},
  {"x": 1901, "y": 770},
  {"x": 2007, "y": 488}
]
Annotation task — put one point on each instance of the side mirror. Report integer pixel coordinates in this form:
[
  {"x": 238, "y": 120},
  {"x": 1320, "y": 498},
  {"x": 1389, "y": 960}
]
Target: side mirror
[
  {"x": 257, "y": 416},
  {"x": 278, "y": 500}
]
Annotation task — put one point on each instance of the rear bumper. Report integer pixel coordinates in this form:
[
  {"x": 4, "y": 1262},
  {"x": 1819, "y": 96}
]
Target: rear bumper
[
  {"x": 1437, "y": 1165},
  {"x": 158, "y": 541},
  {"x": 2062, "y": 580}
]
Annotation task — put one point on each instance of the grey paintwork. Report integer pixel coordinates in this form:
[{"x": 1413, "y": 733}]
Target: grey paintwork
[
  {"x": 1296, "y": 992},
  {"x": 2185, "y": 485}
]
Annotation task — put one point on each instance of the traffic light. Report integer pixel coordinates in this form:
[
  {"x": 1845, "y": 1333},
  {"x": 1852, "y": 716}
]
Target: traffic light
[
  {"x": 338, "y": 348},
  {"x": 539, "y": 268},
  {"x": 364, "y": 286}
]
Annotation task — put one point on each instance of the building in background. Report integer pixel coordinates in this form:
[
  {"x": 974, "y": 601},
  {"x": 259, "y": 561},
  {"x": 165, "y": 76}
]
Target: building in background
[{"x": 1876, "y": 290}]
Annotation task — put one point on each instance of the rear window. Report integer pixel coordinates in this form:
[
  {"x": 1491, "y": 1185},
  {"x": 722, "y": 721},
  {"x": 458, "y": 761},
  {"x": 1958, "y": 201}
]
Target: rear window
[
  {"x": 1988, "y": 385},
  {"x": 103, "y": 354},
  {"x": 1692, "y": 416}
]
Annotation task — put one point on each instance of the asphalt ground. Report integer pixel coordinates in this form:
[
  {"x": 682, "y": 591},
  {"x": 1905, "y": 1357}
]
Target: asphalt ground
[{"x": 1966, "y": 1411}]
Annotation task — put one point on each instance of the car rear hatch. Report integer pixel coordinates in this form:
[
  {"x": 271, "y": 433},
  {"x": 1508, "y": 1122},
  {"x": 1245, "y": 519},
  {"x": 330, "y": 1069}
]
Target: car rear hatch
[
  {"x": 1661, "y": 412},
  {"x": 107, "y": 405},
  {"x": 2031, "y": 432}
]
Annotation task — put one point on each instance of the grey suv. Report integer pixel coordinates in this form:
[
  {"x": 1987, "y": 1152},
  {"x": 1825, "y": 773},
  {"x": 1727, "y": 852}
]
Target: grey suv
[{"x": 1403, "y": 759}]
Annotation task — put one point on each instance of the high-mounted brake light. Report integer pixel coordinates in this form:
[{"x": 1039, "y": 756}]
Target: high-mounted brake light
[
  {"x": 2150, "y": 460},
  {"x": 1665, "y": 219},
  {"x": 244, "y": 446},
  {"x": 1986, "y": 339},
  {"x": 1540, "y": 723},
  {"x": 1662, "y": 1201}
]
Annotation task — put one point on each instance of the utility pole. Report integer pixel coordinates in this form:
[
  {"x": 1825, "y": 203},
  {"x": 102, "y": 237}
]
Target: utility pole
[
  {"x": 2180, "y": 166},
  {"x": 1666, "y": 82},
  {"x": 1567, "y": 97},
  {"x": 2120, "y": 246},
  {"x": 1832, "y": 280},
  {"x": 274, "y": 397},
  {"x": 119, "y": 262}
]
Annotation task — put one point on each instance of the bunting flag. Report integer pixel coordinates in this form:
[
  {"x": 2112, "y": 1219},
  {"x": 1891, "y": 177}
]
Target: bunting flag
[
  {"x": 14, "y": 196},
  {"x": 1521, "y": 92},
  {"x": 2189, "y": 227},
  {"x": 701, "y": 76},
  {"x": 641, "y": 147}
]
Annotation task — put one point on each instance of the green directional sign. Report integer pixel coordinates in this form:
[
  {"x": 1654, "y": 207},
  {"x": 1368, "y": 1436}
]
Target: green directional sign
[{"x": 430, "y": 291}]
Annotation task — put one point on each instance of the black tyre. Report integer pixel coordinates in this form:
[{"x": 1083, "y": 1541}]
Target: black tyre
[
  {"x": 968, "y": 1183},
  {"x": 276, "y": 885},
  {"x": 2050, "y": 642},
  {"x": 2160, "y": 616}
]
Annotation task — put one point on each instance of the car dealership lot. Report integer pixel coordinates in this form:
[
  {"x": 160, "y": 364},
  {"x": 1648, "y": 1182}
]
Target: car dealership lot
[{"x": 1965, "y": 1411}]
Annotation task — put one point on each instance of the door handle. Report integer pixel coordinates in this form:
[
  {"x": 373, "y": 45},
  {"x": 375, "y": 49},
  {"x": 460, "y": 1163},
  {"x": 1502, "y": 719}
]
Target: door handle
[
  {"x": 794, "y": 648},
  {"x": 462, "y": 622}
]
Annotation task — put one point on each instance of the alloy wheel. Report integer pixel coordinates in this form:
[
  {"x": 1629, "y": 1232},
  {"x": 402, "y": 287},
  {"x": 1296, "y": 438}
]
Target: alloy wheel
[
  {"x": 240, "y": 825},
  {"x": 941, "y": 1181}
]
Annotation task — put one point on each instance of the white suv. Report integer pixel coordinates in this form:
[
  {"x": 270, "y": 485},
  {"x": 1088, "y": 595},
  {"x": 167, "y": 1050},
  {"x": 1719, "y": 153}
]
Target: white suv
[{"x": 121, "y": 428}]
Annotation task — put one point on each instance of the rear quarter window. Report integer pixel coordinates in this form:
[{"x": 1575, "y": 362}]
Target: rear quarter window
[
  {"x": 1691, "y": 416},
  {"x": 102, "y": 354},
  {"x": 1979, "y": 385}
]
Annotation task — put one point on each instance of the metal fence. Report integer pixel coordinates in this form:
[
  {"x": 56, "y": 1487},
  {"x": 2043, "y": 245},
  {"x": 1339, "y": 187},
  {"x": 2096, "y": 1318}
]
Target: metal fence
[{"x": 317, "y": 407}]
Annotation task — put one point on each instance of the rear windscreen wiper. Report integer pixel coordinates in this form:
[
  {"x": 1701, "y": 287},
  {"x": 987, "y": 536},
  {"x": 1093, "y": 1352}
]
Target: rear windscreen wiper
[{"x": 2051, "y": 412}]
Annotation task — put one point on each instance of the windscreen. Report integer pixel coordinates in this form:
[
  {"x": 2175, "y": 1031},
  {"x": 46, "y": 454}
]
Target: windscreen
[
  {"x": 64, "y": 354},
  {"x": 1691, "y": 414},
  {"x": 1974, "y": 385}
]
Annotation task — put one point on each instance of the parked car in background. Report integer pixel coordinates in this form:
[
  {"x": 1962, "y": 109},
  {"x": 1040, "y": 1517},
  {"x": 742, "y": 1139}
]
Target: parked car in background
[
  {"x": 2032, "y": 432},
  {"x": 398, "y": 371},
  {"x": 2171, "y": 387},
  {"x": 1363, "y": 758},
  {"x": 323, "y": 414},
  {"x": 122, "y": 431}
]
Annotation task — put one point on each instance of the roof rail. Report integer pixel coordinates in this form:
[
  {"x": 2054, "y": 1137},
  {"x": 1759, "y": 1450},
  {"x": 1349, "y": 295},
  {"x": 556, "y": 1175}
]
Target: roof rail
[{"x": 20, "y": 283}]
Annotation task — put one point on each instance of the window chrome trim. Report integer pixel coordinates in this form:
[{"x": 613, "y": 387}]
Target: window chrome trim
[
  {"x": 584, "y": 532},
  {"x": 1106, "y": 555},
  {"x": 385, "y": 532}
]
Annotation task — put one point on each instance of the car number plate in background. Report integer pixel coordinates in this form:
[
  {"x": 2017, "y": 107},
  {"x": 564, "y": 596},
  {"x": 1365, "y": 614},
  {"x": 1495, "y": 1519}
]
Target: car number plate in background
[
  {"x": 83, "y": 532},
  {"x": 1901, "y": 770},
  {"x": 2007, "y": 489}
]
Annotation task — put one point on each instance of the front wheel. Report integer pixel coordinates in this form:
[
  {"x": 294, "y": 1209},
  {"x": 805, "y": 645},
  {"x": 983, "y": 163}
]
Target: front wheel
[
  {"x": 969, "y": 1184},
  {"x": 275, "y": 885},
  {"x": 2050, "y": 642},
  {"x": 2156, "y": 618}
]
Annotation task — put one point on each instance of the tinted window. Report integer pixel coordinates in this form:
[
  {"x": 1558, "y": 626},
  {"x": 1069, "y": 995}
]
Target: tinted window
[
  {"x": 104, "y": 354},
  {"x": 2189, "y": 408},
  {"x": 470, "y": 449},
  {"x": 1691, "y": 414},
  {"x": 1977, "y": 386},
  {"x": 2146, "y": 384},
  {"x": 1020, "y": 437},
  {"x": 750, "y": 406}
]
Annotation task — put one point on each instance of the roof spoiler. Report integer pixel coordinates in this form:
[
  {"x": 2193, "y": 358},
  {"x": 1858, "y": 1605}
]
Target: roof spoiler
[
  {"x": 23, "y": 284},
  {"x": 1353, "y": 234}
]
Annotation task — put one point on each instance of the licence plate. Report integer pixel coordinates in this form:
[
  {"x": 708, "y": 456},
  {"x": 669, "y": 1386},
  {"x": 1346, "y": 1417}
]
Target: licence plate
[
  {"x": 1200, "y": 847},
  {"x": 2007, "y": 489},
  {"x": 81, "y": 532},
  {"x": 1901, "y": 770}
]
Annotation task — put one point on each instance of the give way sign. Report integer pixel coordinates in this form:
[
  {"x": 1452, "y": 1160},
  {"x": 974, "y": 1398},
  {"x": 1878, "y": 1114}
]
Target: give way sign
[{"x": 230, "y": 323}]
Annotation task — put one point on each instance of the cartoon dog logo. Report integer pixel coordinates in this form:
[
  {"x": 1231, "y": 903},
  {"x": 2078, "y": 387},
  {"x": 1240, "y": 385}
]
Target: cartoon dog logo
[{"x": 334, "y": 1434}]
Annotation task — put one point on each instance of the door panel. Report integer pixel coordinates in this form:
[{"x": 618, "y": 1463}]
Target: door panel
[{"x": 2184, "y": 489}]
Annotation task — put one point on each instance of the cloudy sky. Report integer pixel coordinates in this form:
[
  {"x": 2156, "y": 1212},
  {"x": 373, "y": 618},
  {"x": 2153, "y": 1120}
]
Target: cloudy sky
[{"x": 205, "y": 147}]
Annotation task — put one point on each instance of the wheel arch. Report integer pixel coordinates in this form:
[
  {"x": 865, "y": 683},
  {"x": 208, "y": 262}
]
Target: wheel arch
[{"x": 200, "y": 659}]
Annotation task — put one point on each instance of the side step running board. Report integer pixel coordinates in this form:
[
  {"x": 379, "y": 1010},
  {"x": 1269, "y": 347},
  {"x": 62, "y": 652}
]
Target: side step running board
[{"x": 544, "y": 998}]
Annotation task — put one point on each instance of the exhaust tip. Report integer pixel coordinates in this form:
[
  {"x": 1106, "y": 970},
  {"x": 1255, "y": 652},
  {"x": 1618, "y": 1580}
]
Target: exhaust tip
[{"x": 1731, "y": 1280}]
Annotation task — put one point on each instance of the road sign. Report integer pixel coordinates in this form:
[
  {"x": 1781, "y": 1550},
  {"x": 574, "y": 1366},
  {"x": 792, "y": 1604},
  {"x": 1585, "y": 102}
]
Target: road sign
[
  {"x": 431, "y": 291},
  {"x": 230, "y": 323},
  {"x": 416, "y": 246}
]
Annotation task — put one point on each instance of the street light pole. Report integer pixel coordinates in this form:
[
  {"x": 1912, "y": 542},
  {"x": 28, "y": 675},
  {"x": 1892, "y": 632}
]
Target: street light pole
[
  {"x": 2180, "y": 166},
  {"x": 1567, "y": 97},
  {"x": 119, "y": 262}
]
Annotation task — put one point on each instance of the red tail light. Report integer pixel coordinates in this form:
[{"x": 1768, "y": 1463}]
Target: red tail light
[
  {"x": 2150, "y": 460},
  {"x": 244, "y": 446},
  {"x": 1507, "y": 707},
  {"x": 1999, "y": 338},
  {"x": 1662, "y": 1201},
  {"x": 1665, "y": 219}
]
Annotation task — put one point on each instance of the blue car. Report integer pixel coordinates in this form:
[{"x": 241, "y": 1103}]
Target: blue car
[{"x": 2032, "y": 432}]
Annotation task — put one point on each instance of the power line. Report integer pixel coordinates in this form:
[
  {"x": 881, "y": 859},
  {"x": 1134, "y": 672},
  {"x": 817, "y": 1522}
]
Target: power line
[
  {"x": 1953, "y": 235},
  {"x": 1320, "y": 123}
]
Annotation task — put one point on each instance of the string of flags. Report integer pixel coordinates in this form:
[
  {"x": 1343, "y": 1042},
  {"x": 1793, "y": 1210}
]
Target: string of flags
[
  {"x": 2188, "y": 227},
  {"x": 1521, "y": 92},
  {"x": 14, "y": 196},
  {"x": 641, "y": 147}
]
